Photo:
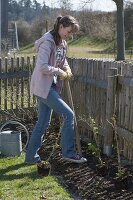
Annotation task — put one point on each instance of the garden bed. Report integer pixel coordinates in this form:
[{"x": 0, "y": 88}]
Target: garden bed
[{"x": 86, "y": 180}]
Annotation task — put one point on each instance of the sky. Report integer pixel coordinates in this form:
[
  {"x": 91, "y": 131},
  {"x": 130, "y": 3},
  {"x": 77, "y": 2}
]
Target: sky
[{"x": 103, "y": 5}]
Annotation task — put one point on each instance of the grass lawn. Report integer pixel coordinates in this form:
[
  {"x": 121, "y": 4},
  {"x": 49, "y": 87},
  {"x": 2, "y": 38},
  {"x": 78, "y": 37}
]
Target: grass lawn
[
  {"x": 78, "y": 48},
  {"x": 84, "y": 52},
  {"x": 21, "y": 181},
  {"x": 84, "y": 47}
]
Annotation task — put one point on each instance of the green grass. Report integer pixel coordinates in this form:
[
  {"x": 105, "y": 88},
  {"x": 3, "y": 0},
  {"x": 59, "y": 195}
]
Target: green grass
[
  {"x": 84, "y": 52},
  {"x": 27, "y": 47},
  {"x": 85, "y": 47},
  {"x": 19, "y": 181},
  {"x": 28, "y": 50},
  {"x": 82, "y": 47},
  {"x": 92, "y": 44}
]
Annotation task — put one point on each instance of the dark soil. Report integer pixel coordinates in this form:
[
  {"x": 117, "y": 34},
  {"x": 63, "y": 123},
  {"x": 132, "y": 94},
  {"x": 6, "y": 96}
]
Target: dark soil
[{"x": 88, "y": 181}]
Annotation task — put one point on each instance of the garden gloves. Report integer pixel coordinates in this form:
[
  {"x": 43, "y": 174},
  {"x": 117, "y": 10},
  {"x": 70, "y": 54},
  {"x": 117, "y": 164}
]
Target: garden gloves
[
  {"x": 63, "y": 76},
  {"x": 66, "y": 74},
  {"x": 69, "y": 73}
]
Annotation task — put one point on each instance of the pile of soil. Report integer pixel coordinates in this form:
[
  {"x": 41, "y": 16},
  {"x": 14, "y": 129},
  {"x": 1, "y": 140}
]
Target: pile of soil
[{"x": 87, "y": 181}]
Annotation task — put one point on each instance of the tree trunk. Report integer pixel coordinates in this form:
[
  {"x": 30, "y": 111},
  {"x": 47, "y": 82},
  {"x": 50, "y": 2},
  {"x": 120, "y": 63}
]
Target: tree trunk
[{"x": 120, "y": 30}]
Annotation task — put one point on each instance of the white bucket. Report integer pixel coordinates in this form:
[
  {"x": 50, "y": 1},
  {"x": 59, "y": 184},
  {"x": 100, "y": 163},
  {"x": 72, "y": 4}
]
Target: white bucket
[{"x": 11, "y": 144}]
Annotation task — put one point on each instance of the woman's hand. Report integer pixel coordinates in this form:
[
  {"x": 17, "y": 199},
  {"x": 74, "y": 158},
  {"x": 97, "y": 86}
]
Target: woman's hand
[
  {"x": 63, "y": 76},
  {"x": 69, "y": 73},
  {"x": 66, "y": 74}
]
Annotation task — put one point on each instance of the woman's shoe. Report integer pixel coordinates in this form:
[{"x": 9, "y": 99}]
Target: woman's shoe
[{"x": 76, "y": 159}]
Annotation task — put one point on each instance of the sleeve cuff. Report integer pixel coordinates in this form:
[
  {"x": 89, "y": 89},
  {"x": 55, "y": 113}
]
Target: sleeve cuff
[{"x": 59, "y": 71}]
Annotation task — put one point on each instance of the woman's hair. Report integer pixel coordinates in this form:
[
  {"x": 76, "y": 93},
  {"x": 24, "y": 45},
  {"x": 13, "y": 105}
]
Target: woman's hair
[{"x": 66, "y": 21}]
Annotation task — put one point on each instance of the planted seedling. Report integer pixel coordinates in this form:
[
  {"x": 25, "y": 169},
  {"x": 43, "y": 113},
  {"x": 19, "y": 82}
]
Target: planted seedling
[
  {"x": 121, "y": 181},
  {"x": 96, "y": 150},
  {"x": 113, "y": 124},
  {"x": 122, "y": 177},
  {"x": 120, "y": 173},
  {"x": 44, "y": 168}
]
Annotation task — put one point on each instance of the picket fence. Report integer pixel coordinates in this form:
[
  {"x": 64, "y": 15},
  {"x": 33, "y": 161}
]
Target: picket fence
[
  {"x": 15, "y": 99},
  {"x": 101, "y": 89}
]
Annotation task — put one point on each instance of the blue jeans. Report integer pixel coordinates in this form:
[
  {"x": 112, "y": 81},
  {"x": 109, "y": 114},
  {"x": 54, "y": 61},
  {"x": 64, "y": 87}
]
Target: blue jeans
[{"x": 45, "y": 108}]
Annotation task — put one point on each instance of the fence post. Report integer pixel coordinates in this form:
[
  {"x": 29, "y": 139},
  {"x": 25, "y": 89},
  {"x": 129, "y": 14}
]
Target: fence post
[{"x": 110, "y": 108}]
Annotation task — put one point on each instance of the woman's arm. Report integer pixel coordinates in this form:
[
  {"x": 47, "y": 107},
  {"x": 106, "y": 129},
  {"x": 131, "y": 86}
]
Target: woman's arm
[{"x": 43, "y": 58}]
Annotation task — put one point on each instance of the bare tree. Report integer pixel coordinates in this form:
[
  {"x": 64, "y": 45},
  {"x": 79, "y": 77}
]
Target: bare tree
[
  {"x": 84, "y": 2},
  {"x": 120, "y": 30},
  {"x": 65, "y": 6},
  {"x": 97, "y": 24}
]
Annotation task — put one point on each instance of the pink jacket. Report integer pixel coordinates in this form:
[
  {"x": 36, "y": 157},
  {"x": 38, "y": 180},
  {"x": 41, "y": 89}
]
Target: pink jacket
[{"x": 42, "y": 77}]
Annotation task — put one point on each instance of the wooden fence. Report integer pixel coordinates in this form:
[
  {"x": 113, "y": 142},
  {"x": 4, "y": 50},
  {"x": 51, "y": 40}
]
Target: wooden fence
[
  {"x": 100, "y": 89},
  {"x": 15, "y": 99}
]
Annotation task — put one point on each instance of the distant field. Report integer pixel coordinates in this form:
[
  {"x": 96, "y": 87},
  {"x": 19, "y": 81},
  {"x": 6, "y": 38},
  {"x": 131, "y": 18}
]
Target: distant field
[
  {"x": 84, "y": 47},
  {"x": 85, "y": 52}
]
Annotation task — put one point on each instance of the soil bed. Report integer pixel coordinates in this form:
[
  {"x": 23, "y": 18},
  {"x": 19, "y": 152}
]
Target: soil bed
[{"x": 86, "y": 180}]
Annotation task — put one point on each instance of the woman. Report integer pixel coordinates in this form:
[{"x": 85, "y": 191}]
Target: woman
[{"x": 46, "y": 83}]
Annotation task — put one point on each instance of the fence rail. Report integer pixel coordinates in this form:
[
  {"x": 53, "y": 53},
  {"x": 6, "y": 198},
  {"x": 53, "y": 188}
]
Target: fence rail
[{"x": 100, "y": 89}]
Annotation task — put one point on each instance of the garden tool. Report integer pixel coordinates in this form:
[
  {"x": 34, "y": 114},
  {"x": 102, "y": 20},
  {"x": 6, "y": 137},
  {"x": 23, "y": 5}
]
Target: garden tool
[{"x": 69, "y": 94}]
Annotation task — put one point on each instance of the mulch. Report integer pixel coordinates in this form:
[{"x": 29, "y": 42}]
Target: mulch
[{"x": 87, "y": 181}]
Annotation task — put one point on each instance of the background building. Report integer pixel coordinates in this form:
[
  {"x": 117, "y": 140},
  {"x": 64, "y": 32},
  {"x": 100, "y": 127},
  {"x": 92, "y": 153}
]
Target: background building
[{"x": 4, "y": 18}]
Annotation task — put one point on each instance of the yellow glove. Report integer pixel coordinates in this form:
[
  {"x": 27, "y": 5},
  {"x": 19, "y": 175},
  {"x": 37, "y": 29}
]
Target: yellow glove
[
  {"x": 63, "y": 76},
  {"x": 69, "y": 73}
]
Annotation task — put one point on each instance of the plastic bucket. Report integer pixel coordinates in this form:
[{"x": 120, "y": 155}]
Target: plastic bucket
[{"x": 11, "y": 144}]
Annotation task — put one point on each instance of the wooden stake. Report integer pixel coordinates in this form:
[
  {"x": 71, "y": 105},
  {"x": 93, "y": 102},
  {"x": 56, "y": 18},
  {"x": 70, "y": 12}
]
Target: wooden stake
[{"x": 70, "y": 99}]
